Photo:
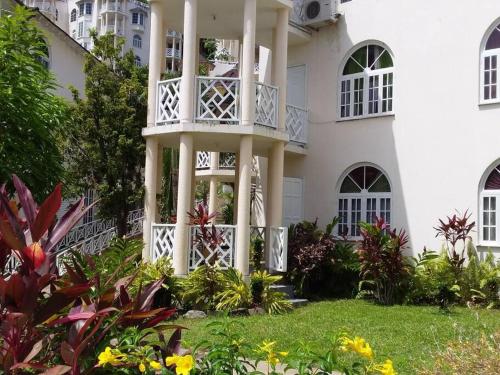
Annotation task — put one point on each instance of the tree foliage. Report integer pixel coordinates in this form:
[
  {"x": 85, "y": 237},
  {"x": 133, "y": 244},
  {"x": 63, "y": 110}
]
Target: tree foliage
[
  {"x": 107, "y": 149},
  {"x": 32, "y": 117}
]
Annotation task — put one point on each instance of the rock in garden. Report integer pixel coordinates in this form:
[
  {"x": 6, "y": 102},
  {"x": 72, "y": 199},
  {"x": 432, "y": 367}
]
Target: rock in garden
[
  {"x": 256, "y": 311},
  {"x": 195, "y": 314}
]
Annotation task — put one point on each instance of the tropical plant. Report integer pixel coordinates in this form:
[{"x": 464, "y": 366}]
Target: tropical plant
[
  {"x": 270, "y": 300},
  {"x": 320, "y": 263},
  {"x": 208, "y": 237},
  {"x": 33, "y": 120},
  {"x": 235, "y": 292},
  {"x": 455, "y": 230},
  {"x": 53, "y": 321},
  {"x": 201, "y": 286},
  {"x": 105, "y": 147},
  {"x": 257, "y": 254},
  {"x": 384, "y": 267}
]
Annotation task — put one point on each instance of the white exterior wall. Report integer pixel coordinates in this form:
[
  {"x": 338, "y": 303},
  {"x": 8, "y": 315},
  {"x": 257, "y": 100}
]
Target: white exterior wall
[{"x": 439, "y": 143}]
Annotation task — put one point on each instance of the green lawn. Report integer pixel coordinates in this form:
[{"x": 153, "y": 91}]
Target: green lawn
[{"x": 407, "y": 334}]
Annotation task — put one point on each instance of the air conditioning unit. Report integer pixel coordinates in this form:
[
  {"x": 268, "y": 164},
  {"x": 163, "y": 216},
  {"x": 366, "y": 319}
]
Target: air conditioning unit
[{"x": 317, "y": 13}]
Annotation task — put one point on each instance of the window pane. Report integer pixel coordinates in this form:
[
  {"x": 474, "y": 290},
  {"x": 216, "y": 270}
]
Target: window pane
[
  {"x": 373, "y": 94},
  {"x": 345, "y": 98},
  {"x": 381, "y": 185},
  {"x": 355, "y": 217},
  {"x": 371, "y": 210},
  {"x": 493, "y": 180},
  {"x": 358, "y": 176},
  {"x": 360, "y": 57},
  {"x": 494, "y": 40},
  {"x": 387, "y": 93},
  {"x": 358, "y": 96},
  {"x": 343, "y": 212},
  {"x": 489, "y": 219},
  {"x": 371, "y": 175},
  {"x": 490, "y": 78},
  {"x": 348, "y": 186}
]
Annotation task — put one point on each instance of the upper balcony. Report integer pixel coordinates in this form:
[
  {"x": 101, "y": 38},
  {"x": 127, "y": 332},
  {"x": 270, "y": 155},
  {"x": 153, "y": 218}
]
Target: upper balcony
[
  {"x": 173, "y": 53},
  {"x": 218, "y": 103},
  {"x": 112, "y": 6}
]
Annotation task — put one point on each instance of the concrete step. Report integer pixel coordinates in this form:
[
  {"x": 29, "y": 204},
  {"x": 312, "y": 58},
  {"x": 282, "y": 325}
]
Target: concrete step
[
  {"x": 298, "y": 302},
  {"x": 287, "y": 289}
]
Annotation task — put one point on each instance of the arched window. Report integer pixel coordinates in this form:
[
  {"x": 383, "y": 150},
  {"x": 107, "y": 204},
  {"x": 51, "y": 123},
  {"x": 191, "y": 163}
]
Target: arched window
[
  {"x": 489, "y": 198},
  {"x": 73, "y": 15},
  {"x": 137, "y": 41},
  {"x": 490, "y": 56},
  {"x": 137, "y": 61},
  {"x": 365, "y": 194},
  {"x": 366, "y": 83}
]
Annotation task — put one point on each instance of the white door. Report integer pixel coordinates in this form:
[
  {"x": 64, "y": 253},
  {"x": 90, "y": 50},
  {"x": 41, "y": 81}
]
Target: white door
[
  {"x": 296, "y": 86},
  {"x": 293, "y": 200}
]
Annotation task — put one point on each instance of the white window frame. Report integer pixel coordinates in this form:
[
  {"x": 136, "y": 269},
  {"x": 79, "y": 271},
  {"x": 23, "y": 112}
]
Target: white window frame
[
  {"x": 137, "y": 41},
  {"x": 73, "y": 15},
  {"x": 81, "y": 29},
  {"x": 364, "y": 195},
  {"x": 489, "y": 194},
  {"x": 365, "y": 76},
  {"x": 489, "y": 53}
]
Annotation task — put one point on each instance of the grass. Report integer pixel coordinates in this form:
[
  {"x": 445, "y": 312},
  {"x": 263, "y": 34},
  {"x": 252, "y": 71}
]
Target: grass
[{"x": 406, "y": 334}]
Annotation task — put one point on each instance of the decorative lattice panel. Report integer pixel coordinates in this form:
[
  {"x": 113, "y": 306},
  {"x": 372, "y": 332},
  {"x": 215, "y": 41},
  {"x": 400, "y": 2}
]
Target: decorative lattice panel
[
  {"x": 163, "y": 241},
  {"x": 218, "y": 100},
  {"x": 223, "y": 254},
  {"x": 296, "y": 124},
  {"x": 227, "y": 160},
  {"x": 266, "y": 105},
  {"x": 278, "y": 249},
  {"x": 202, "y": 160},
  {"x": 169, "y": 93}
]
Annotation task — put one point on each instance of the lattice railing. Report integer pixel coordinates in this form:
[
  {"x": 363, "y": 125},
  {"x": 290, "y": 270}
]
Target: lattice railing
[
  {"x": 227, "y": 160},
  {"x": 297, "y": 123},
  {"x": 223, "y": 254},
  {"x": 266, "y": 105},
  {"x": 173, "y": 53},
  {"x": 218, "y": 100},
  {"x": 203, "y": 160},
  {"x": 278, "y": 249},
  {"x": 163, "y": 241},
  {"x": 168, "y": 96}
]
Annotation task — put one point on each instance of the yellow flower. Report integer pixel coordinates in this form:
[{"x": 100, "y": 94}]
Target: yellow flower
[
  {"x": 386, "y": 368},
  {"x": 107, "y": 356},
  {"x": 272, "y": 357},
  {"x": 267, "y": 346},
  {"x": 357, "y": 345},
  {"x": 155, "y": 365},
  {"x": 183, "y": 364},
  {"x": 142, "y": 367}
]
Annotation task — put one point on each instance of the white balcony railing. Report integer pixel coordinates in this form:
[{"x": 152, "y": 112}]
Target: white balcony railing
[
  {"x": 266, "y": 106},
  {"x": 173, "y": 53},
  {"x": 218, "y": 100},
  {"x": 168, "y": 94},
  {"x": 174, "y": 34},
  {"x": 163, "y": 237},
  {"x": 111, "y": 7},
  {"x": 227, "y": 160},
  {"x": 297, "y": 123}
]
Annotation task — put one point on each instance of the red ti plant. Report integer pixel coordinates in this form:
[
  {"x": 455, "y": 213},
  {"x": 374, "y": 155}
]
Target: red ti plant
[
  {"x": 208, "y": 238},
  {"x": 383, "y": 264},
  {"x": 31, "y": 239},
  {"x": 456, "y": 230}
]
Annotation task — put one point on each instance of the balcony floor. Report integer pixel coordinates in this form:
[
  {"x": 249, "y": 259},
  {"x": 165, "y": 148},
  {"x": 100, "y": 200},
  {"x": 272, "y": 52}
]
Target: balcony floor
[{"x": 216, "y": 137}]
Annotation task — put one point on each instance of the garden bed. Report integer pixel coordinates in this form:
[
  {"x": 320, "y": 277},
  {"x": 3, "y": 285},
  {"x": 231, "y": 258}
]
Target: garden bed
[{"x": 406, "y": 334}]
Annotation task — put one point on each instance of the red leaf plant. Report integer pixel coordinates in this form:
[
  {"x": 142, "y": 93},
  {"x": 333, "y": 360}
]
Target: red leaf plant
[
  {"x": 50, "y": 322},
  {"x": 383, "y": 264},
  {"x": 208, "y": 238},
  {"x": 456, "y": 229}
]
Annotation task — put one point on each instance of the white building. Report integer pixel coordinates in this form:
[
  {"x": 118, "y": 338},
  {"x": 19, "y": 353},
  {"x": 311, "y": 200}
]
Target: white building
[{"x": 363, "y": 109}]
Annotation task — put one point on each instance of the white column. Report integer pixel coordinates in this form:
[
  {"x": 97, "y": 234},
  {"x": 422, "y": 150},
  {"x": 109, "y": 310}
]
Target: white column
[
  {"x": 159, "y": 182},
  {"x": 243, "y": 222},
  {"x": 181, "y": 250},
  {"x": 155, "y": 56},
  {"x": 193, "y": 184},
  {"x": 248, "y": 64},
  {"x": 174, "y": 46},
  {"x": 212, "y": 199},
  {"x": 163, "y": 49},
  {"x": 189, "y": 62},
  {"x": 274, "y": 190},
  {"x": 236, "y": 187},
  {"x": 280, "y": 63},
  {"x": 150, "y": 183}
]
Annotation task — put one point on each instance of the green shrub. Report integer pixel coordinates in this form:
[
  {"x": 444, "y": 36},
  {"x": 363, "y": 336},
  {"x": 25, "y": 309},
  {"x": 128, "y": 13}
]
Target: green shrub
[
  {"x": 270, "y": 300},
  {"x": 236, "y": 292},
  {"x": 319, "y": 264},
  {"x": 257, "y": 254},
  {"x": 200, "y": 288}
]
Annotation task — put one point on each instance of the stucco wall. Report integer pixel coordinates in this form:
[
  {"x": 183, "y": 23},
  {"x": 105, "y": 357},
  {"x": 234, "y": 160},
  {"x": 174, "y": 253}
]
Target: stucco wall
[{"x": 440, "y": 141}]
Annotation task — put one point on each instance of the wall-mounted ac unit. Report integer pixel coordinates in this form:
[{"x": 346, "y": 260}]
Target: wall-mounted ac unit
[{"x": 316, "y": 13}]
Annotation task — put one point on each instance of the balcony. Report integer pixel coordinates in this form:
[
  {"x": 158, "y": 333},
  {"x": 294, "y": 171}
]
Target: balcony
[
  {"x": 217, "y": 101},
  {"x": 173, "y": 53},
  {"x": 138, "y": 27},
  {"x": 174, "y": 34},
  {"x": 112, "y": 7},
  {"x": 111, "y": 29},
  {"x": 227, "y": 160}
]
